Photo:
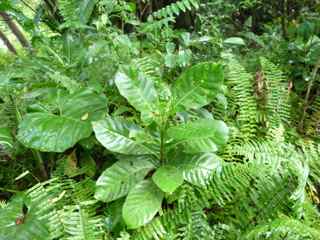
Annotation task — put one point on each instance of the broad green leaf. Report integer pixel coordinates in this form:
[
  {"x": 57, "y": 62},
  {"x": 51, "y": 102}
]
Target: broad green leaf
[
  {"x": 198, "y": 86},
  {"x": 139, "y": 90},
  {"x": 85, "y": 105},
  {"x": 86, "y": 8},
  {"x": 235, "y": 41},
  {"x": 75, "y": 113},
  {"x": 6, "y": 138},
  {"x": 142, "y": 204},
  {"x": 116, "y": 135},
  {"x": 168, "y": 178},
  {"x": 198, "y": 169},
  {"x": 116, "y": 181},
  {"x": 51, "y": 133},
  {"x": 204, "y": 135}
]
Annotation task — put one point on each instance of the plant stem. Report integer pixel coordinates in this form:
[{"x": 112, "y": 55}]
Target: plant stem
[
  {"x": 40, "y": 163},
  {"x": 163, "y": 129},
  {"x": 8, "y": 190},
  {"x": 161, "y": 146},
  {"x": 306, "y": 100}
]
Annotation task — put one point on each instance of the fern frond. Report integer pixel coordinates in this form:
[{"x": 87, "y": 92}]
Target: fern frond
[
  {"x": 228, "y": 200},
  {"x": 56, "y": 209},
  {"x": 240, "y": 83},
  {"x": 80, "y": 222},
  {"x": 285, "y": 226},
  {"x": 174, "y": 9},
  {"x": 8, "y": 114},
  {"x": 313, "y": 122},
  {"x": 197, "y": 228},
  {"x": 76, "y": 13},
  {"x": 278, "y": 96}
]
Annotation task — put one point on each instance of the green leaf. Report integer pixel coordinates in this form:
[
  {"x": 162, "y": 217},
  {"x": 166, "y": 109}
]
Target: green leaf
[
  {"x": 6, "y": 138},
  {"x": 198, "y": 169},
  {"x": 204, "y": 135},
  {"x": 168, "y": 178},
  {"x": 51, "y": 133},
  {"x": 116, "y": 181},
  {"x": 235, "y": 41},
  {"x": 139, "y": 90},
  {"x": 85, "y": 105},
  {"x": 86, "y": 8},
  {"x": 142, "y": 204},
  {"x": 116, "y": 135},
  {"x": 198, "y": 86}
]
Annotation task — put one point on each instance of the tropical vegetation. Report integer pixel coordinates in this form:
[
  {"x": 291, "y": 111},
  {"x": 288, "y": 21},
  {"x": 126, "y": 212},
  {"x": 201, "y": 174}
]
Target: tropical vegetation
[{"x": 153, "y": 119}]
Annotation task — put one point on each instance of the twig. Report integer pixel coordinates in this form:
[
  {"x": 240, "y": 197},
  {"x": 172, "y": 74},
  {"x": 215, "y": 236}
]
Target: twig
[{"x": 306, "y": 100}]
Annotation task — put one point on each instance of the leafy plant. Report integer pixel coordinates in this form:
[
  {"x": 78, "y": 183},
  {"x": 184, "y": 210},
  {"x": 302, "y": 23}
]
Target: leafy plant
[{"x": 159, "y": 155}]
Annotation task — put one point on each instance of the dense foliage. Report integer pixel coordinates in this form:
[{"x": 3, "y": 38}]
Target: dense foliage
[{"x": 188, "y": 119}]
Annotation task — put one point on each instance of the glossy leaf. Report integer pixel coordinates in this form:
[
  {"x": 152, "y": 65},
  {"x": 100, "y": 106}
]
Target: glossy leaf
[
  {"x": 85, "y": 105},
  {"x": 198, "y": 86},
  {"x": 56, "y": 133},
  {"x": 198, "y": 169},
  {"x": 204, "y": 135},
  {"x": 139, "y": 90},
  {"x": 116, "y": 181},
  {"x": 142, "y": 204},
  {"x": 116, "y": 135},
  {"x": 51, "y": 133},
  {"x": 168, "y": 178}
]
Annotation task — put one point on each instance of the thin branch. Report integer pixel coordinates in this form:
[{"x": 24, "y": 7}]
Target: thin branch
[{"x": 28, "y": 6}]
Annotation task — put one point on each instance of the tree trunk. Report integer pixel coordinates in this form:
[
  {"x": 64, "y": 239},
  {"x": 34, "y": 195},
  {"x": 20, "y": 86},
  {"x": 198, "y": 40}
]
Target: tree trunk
[
  {"x": 15, "y": 30},
  {"x": 7, "y": 42}
]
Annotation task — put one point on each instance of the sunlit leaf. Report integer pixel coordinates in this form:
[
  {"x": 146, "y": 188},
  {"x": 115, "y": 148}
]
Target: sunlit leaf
[{"x": 142, "y": 204}]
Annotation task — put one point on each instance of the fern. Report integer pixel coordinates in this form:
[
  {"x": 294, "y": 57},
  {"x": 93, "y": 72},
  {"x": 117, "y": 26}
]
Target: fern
[
  {"x": 56, "y": 209},
  {"x": 313, "y": 122},
  {"x": 284, "y": 227},
  {"x": 80, "y": 222},
  {"x": 174, "y": 9},
  {"x": 76, "y": 13},
  {"x": 278, "y": 95},
  {"x": 244, "y": 103},
  {"x": 227, "y": 200}
]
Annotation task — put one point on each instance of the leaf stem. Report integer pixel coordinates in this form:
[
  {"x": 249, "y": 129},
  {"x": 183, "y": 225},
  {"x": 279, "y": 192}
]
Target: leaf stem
[
  {"x": 40, "y": 163},
  {"x": 163, "y": 129},
  {"x": 162, "y": 147},
  {"x": 8, "y": 190}
]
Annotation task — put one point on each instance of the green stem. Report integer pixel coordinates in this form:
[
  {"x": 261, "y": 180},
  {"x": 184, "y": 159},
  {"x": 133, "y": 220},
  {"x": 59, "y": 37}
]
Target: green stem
[
  {"x": 8, "y": 190},
  {"x": 163, "y": 129},
  {"x": 162, "y": 137}
]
